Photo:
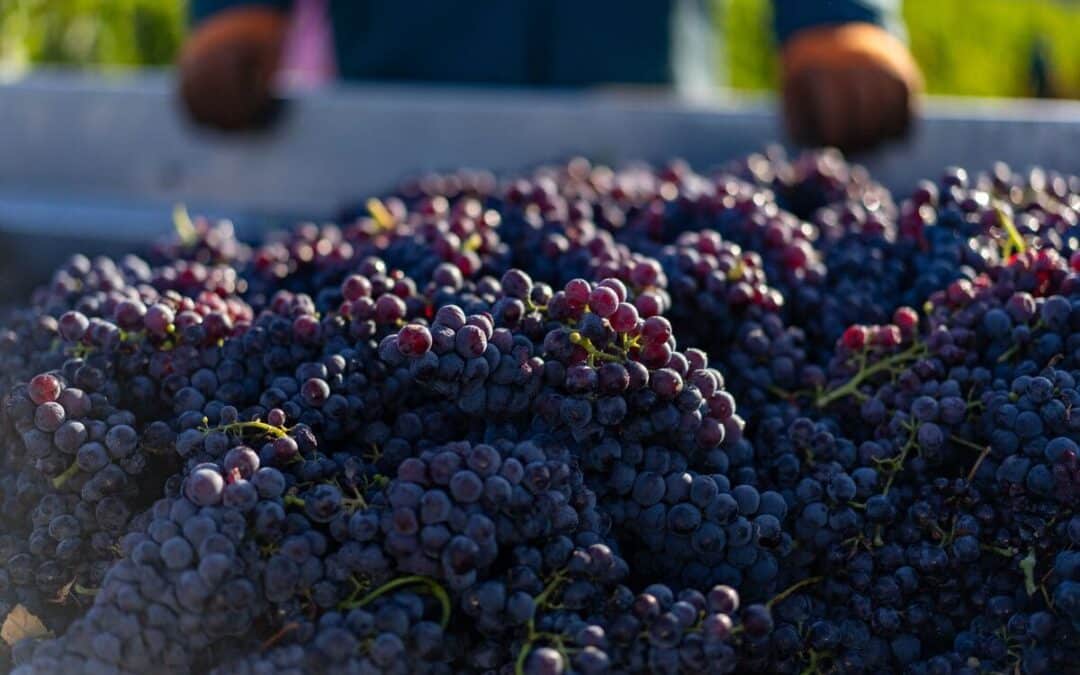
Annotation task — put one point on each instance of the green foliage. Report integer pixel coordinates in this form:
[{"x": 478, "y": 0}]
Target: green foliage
[
  {"x": 984, "y": 48},
  {"x": 965, "y": 47},
  {"x": 90, "y": 32},
  {"x": 747, "y": 43}
]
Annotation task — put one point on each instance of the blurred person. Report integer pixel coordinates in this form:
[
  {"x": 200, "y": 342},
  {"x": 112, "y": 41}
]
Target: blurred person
[{"x": 847, "y": 78}]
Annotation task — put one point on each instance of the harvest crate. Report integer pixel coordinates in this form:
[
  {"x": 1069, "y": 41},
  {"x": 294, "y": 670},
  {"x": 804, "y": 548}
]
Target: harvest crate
[{"x": 94, "y": 164}]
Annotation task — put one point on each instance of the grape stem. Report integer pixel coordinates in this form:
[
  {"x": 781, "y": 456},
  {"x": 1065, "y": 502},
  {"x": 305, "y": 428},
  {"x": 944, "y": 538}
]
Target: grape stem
[
  {"x": 79, "y": 350},
  {"x": 1027, "y": 564},
  {"x": 473, "y": 243},
  {"x": 851, "y": 387},
  {"x": 59, "y": 481},
  {"x": 780, "y": 392},
  {"x": 594, "y": 353},
  {"x": 380, "y": 214},
  {"x": 814, "y": 666},
  {"x": 1014, "y": 241},
  {"x": 961, "y": 441},
  {"x": 1011, "y": 351},
  {"x": 784, "y": 594},
  {"x": 352, "y": 504},
  {"x": 895, "y": 464},
  {"x": 1005, "y": 552},
  {"x": 360, "y": 585},
  {"x": 238, "y": 428},
  {"x": 533, "y": 635},
  {"x": 415, "y": 580},
  {"x": 185, "y": 229},
  {"x": 276, "y": 637},
  {"x": 978, "y": 462}
]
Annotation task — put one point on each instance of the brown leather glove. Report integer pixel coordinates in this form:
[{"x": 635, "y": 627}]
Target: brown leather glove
[
  {"x": 227, "y": 67},
  {"x": 848, "y": 86}
]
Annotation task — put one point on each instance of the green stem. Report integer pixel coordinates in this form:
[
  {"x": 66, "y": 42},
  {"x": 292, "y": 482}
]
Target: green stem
[
  {"x": 532, "y": 636},
  {"x": 435, "y": 589},
  {"x": 1005, "y": 552},
  {"x": 353, "y": 504},
  {"x": 382, "y": 216},
  {"x": 814, "y": 667},
  {"x": 784, "y": 594},
  {"x": 238, "y": 428},
  {"x": 978, "y": 462},
  {"x": 966, "y": 443},
  {"x": 897, "y": 463},
  {"x": 1015, "y": 240},
  {"x": 85, "y": 590},
  {"x": 59, "y": 481},
  {"x": 851, "y": 386},
  {"x": 1016, "y": 347},
  {"x": 952, "y": 533},
  {"x": 1027, "y": 564},
  {"x": 552, "y": 586},
  {"x": 1046, "y": 596},
  {"x": 185, "y": 229},
  {"x": 780, "y": 392},
  {"x": 594, "y": 353},
  {"x": 81, "y": 350},
  {"x": 1009, "y": 353},
  {"x": 523, "y": 653},
  {"x": 473, "y": 243}
]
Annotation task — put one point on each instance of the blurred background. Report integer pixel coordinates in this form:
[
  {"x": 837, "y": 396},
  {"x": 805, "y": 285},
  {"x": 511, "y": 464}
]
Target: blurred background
[
  {"x": 991, "y": 48},
  {"x": 97, "y": 149},
  {"x": 988, "y": 48}
]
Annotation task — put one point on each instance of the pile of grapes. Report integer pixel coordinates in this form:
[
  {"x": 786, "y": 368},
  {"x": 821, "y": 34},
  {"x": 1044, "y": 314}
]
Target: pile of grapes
[{"x": 767, "y": 420}]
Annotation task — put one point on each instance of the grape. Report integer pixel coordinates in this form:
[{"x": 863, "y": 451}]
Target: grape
[
  {"x": 49, "y": 416},
  {"x": 44, "y": 389},
  {"x": 471, "y": 342},
  {"x": 583, "y": 419},
  {"x": 242, "y": 460},
  {"x": 414, "y": 340},
  {"x": 204, "y": 486}
]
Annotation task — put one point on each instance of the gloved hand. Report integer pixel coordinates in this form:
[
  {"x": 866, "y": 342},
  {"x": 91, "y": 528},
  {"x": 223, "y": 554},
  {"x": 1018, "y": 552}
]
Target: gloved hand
[
  {"x": 849, "y": 86},
  {"x": 227, "y": 67}
]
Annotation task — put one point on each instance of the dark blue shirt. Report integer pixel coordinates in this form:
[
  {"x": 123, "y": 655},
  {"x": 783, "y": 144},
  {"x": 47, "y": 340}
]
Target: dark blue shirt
[{"x": 562, "y": 43}]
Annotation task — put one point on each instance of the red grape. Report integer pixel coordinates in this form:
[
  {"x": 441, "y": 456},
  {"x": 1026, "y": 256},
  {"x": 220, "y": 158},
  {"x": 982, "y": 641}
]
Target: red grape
[
  {"x": 414, "y": 340},
  {"x": 625, "y": 318},
  {"x": 355, "y": 287},
  {"x": 158, "y": 319},
  {"x": 603, "y": 301},
  {"x": 577, "y": 292},
  {"x": 44, "y": 388},
  {"x": 854, "y": 337},
  {"x": 656, "y": 329}
]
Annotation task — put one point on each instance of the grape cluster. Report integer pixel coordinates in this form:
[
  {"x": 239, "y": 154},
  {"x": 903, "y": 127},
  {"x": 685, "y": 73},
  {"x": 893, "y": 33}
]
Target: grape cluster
[{"x": 581, "y": 420}]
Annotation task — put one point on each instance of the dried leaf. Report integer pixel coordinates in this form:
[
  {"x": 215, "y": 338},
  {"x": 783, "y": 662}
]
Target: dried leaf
[{"x": 21, "y": 624}]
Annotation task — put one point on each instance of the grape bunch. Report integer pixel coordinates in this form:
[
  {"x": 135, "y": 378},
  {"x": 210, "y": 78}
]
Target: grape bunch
[{"x": 581, "y": 420}]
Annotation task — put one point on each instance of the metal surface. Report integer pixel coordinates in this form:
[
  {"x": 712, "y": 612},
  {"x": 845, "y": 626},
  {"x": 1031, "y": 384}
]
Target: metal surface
[{"x": 101, "y": 160}]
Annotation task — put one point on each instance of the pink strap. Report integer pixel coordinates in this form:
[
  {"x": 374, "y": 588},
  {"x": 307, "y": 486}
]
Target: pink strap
[{"x": 308, "y": 58}]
